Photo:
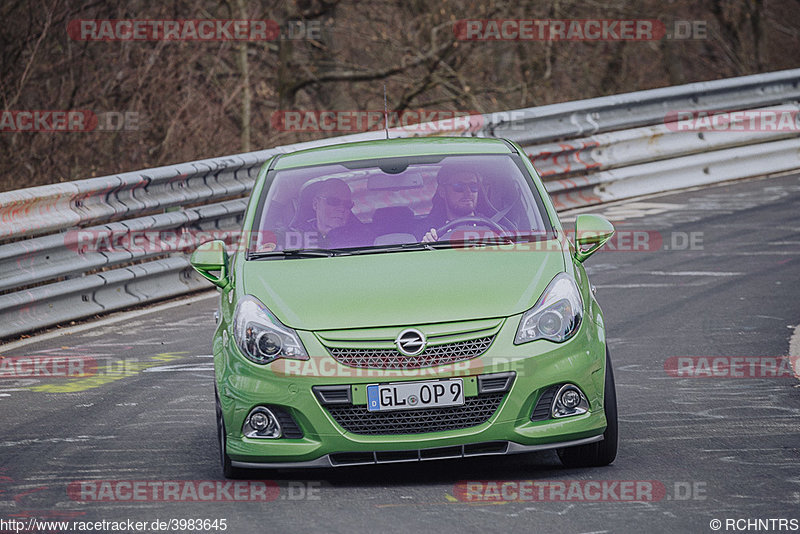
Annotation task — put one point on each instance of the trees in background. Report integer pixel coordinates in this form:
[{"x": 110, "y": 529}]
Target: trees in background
[{"x": 193, "y": 100}]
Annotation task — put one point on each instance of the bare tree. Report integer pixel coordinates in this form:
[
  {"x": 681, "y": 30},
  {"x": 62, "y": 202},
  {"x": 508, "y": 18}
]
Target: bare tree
[{"x": 201, "y": 99}]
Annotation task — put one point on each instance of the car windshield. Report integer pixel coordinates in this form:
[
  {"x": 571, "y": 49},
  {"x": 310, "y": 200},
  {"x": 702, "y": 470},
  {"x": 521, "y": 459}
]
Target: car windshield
[{"x": 396, "y": 204}]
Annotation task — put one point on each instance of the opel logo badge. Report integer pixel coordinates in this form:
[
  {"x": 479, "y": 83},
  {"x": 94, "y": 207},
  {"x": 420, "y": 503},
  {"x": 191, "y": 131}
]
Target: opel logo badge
[{"x": 410, "y": 342}]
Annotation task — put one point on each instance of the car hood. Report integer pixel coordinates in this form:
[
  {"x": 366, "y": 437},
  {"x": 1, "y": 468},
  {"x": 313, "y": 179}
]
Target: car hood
[{"x": 402, "y": 288}]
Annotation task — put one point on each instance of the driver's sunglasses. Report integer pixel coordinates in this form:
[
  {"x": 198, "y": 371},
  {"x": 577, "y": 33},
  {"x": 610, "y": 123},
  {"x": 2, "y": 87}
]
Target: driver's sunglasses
[
  {"x": 460, "y": 187},
  {"x": 336, "y": 202}
]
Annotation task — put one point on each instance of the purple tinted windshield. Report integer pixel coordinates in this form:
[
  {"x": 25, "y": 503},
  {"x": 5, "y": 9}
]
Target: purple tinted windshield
[{"x": 455, "y": 198}]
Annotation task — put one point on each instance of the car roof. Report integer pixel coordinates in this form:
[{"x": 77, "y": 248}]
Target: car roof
[{"x": 390, "y": 148}]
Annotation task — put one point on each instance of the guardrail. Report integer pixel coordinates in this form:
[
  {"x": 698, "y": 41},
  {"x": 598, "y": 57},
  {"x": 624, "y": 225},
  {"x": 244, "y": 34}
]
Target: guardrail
[
  {"x": 588, "y": 152},
  {"x": 650, "y": 159}
]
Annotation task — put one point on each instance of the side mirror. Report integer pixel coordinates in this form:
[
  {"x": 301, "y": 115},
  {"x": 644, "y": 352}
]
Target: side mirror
[
  {"x": 209, "y": 258},
  {"x": 591, "y": 233}
]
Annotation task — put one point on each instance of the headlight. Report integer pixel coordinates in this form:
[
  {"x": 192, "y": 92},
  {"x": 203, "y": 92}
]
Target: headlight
[
  {"x": 261, "y": 336},
  {"x": 556, "y": 316}
]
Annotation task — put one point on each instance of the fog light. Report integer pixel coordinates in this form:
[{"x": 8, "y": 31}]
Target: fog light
[
  {"x": 262, "y": 423},
  {"x": 569, "y": 400},
  {"x": 259, "y": 421}
]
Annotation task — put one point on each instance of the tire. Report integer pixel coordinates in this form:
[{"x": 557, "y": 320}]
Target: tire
[
  {"x": 603, "y": 452},
  {"x": 225, "y": 461}
]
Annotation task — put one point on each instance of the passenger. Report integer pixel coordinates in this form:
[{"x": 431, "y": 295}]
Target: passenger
[{"x": 331, "y": 207}]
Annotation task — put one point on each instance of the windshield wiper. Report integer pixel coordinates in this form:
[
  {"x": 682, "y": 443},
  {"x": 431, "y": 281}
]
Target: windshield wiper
[
  {"x": 294, "y": 253},
  {"x": 494, "y": 240},
  {"x": 401, "y": 247}
]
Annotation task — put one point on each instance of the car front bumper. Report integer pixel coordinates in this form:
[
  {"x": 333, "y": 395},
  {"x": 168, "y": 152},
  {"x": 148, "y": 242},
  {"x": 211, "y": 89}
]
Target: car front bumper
[
  {"x": 494, "y": 448},
  {"x": 537, "y": 366}
]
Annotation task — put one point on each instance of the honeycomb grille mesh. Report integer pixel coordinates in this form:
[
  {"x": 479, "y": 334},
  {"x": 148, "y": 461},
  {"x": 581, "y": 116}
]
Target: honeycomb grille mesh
[
  {"x": 432, "y": 355},
  {"x": 359, "y": 420}
]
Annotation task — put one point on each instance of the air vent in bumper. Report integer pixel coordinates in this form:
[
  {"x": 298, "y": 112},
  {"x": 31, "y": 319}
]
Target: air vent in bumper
[{"x": 437, "y": 453}]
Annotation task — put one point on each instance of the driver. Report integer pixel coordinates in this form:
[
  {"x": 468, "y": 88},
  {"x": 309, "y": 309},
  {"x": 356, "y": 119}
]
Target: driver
[{"x": 456, "y": 197}]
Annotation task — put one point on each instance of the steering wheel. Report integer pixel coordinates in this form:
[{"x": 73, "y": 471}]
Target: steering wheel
[{"x": 476, "y": 220}]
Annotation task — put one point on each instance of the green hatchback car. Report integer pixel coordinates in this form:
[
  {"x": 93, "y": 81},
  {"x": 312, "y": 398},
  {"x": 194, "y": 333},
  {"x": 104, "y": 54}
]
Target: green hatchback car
[{"x": 406, "y": 300}]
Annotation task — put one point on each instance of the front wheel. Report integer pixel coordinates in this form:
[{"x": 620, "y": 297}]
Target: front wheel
[
  {"x": 225, "y": 461},
  {"x": 603, "y": 452}
]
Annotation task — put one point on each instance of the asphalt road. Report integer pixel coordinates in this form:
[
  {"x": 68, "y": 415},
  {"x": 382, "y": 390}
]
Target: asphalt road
[{"x": 719, "y": 278}]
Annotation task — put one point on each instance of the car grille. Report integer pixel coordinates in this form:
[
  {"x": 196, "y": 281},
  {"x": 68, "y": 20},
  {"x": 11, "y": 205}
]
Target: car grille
[
  {"x": 432, "y": 355},
  {"x": 359, "y": 420}
]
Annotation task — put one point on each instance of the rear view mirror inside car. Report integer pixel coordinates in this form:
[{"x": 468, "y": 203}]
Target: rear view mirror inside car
[{"x": 378, "y": 182}]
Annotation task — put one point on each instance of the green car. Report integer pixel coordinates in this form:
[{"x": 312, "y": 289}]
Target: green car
[{"x": 407, "y": 300}]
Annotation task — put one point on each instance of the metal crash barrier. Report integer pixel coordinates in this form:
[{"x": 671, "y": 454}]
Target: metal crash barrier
[{"x": 63, "y": 248}]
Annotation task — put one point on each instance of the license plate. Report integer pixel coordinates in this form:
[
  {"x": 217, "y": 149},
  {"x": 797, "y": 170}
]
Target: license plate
[{"x": 414, "y": 395}]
